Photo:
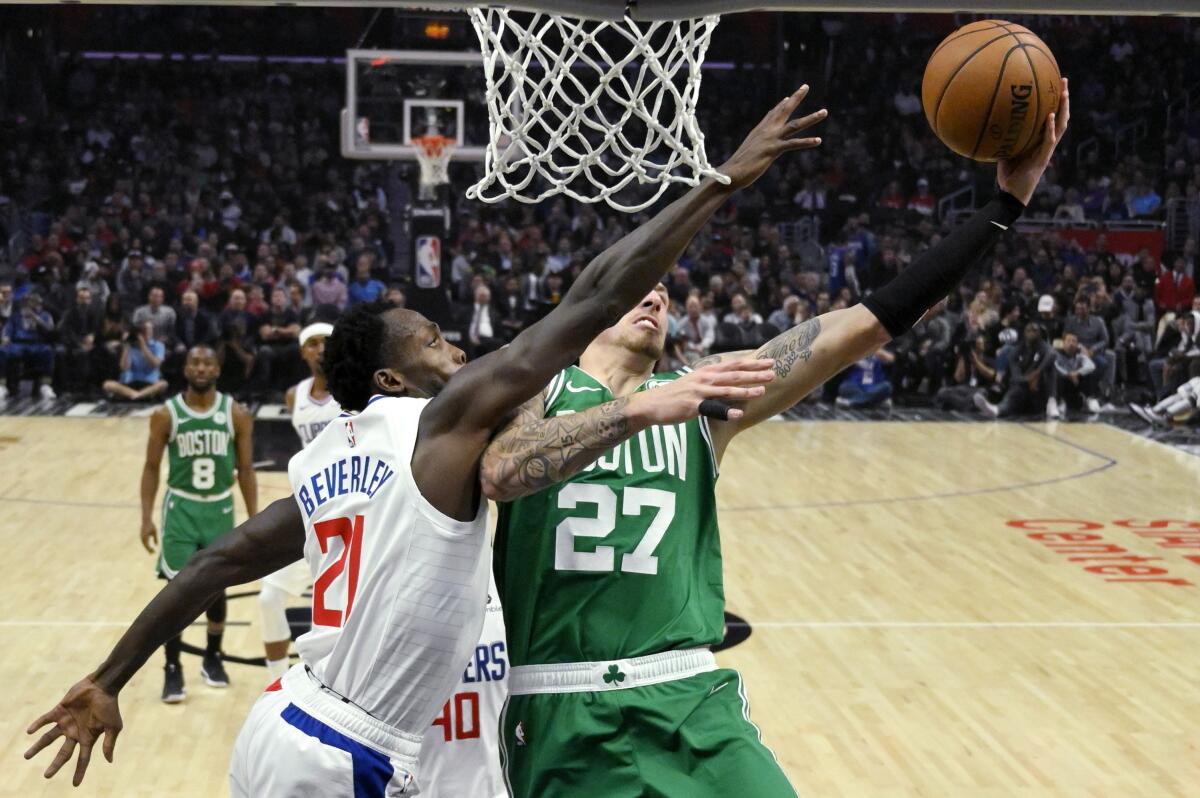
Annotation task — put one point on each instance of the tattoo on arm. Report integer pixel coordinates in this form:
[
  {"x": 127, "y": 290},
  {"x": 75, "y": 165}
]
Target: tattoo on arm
[
  {"x": 534, "y": 452},
  {"x": 707, "y": 361},
  {"x": 791, "y": 346}
]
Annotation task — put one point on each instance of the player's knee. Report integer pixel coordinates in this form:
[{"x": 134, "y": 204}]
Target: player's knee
[
  {"x": 272, "y": 606},
  {"x": 271, "y": 599}
]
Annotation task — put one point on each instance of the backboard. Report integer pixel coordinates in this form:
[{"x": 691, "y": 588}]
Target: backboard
[{"x": 394, "y": 96}]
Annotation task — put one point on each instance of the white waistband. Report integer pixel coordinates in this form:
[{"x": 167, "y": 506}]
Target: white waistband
[
  {"x": 309, "y": 694},
  {"x": 615, "y": 674},
  {"x": 196, "y": 497}
]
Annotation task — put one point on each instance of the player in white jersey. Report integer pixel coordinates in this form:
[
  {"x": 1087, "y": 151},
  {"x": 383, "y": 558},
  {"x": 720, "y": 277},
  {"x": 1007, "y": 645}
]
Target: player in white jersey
[
  {"x": 312, "y": 407},
  {"x": 460, "y": 755},
  {"x": 309, "y": 401},
  {"x": 389, "y": 512}
]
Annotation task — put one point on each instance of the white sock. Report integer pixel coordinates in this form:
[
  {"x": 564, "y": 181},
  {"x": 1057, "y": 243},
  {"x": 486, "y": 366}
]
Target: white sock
[{"x": 277, "y": 667}]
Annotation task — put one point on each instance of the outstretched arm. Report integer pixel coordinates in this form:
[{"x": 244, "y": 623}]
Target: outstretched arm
[
  {"x": 810, "y": 353},
  {"x": 263, "y": 544},
  {"x": 457, "y": 425}
]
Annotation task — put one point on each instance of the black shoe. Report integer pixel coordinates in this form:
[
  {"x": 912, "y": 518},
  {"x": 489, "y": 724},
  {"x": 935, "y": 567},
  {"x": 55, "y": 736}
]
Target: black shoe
[
  {"x": 173, "y": 692},
  {"x": 213, "y": 671}
]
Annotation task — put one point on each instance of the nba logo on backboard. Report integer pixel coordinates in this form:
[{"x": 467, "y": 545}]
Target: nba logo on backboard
[
  {"x": 362, "y": 133},
  {"x": 429, "y": 261},
  {"x": 350, "y": 433}
]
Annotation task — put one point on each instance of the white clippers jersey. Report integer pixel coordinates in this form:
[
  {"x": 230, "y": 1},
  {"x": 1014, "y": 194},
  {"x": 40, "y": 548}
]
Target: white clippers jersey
[
  {"x": 398, "y": 587},
  {"x": 460, "y": 755},
  {"x": 309, "y": 416}
]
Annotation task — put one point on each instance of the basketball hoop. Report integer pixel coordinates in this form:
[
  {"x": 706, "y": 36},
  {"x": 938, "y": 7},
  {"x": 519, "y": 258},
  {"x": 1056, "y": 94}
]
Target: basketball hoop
[
  {"x": 589, "y": 107},
  {"x": 433, "y": 155}
]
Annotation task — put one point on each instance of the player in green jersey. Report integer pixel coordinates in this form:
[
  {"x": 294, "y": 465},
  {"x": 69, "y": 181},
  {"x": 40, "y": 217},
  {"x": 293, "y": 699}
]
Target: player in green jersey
[
  {"x": 611, "y": 581},
  {"x": 207, "y": 438}
]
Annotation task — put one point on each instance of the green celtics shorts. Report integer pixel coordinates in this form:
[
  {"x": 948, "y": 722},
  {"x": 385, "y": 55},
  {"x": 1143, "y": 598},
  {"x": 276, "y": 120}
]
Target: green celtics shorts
[
  {"x": 683, "y": 738},
  {"x": 188, "y": 526}
]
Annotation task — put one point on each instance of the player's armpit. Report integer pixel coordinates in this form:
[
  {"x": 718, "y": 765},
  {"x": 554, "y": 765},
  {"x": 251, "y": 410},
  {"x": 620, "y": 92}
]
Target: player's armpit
[{"x": 805, "y": 356}]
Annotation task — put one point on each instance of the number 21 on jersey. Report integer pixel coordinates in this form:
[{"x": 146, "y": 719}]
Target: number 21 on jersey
[
  {"x": 603, "y": 558},
  {"x": 350, "y": 532}
]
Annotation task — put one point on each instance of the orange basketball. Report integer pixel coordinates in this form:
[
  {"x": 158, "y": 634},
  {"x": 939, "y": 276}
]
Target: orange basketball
[{"x": 988, "y": 88}]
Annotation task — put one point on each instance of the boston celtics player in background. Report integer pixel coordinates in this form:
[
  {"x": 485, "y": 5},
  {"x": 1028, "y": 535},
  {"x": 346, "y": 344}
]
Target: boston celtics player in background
[
  {"x": 207, "y": 437},
  {"x": 612, "y": 582}
]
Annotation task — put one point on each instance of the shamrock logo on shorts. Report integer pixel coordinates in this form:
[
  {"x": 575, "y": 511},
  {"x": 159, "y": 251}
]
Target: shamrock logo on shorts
[{"x": 614, "y": 675}]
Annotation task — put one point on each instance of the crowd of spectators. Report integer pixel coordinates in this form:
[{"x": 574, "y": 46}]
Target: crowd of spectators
[{"x": 173, "y": 203}]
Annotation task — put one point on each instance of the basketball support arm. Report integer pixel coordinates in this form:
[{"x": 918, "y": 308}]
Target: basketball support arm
[{"x": 814, "y": 351}]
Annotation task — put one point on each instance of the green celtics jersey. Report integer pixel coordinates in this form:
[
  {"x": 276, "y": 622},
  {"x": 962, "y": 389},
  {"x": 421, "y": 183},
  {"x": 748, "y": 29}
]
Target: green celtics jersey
[
  {"x": 200, "y": 454},
  {"x": 622, "y": 560}
]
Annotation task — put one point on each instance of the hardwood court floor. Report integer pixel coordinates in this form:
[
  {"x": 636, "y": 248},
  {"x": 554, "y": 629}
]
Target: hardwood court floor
[{"x": 908, "y": 640}]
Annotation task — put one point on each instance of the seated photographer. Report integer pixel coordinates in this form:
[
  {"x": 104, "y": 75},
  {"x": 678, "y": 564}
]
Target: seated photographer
[{"x": 141, "y": 362}]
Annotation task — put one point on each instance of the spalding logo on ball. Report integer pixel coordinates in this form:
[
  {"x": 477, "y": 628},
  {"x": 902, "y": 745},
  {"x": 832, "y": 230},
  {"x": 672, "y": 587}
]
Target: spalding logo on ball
[{"x": 988, "y": 88}]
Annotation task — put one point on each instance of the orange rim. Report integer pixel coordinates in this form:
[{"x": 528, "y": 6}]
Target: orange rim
[{"x": 433, "y": 146}]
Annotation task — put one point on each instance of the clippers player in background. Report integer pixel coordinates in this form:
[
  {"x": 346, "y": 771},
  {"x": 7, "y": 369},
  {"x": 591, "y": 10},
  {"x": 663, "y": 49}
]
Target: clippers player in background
[
  {"x": 460, "y": 755},
  {"x": 312, "y": 407},
  {"x": 207, "y": 438},
  {"x": 612, "y": 579},
  {"x": 389, "y": 512}
]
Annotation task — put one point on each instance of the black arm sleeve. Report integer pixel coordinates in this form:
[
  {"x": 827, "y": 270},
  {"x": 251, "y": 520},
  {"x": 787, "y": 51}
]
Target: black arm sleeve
[{"x": 899, "y": 304}]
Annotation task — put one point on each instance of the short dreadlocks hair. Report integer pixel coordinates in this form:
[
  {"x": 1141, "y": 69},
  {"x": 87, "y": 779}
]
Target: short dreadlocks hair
[{"x": 354, "y": 352}]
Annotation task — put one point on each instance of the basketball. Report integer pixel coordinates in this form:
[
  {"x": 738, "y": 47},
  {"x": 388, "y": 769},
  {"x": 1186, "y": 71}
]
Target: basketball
[{"x": 988, "y": 88}]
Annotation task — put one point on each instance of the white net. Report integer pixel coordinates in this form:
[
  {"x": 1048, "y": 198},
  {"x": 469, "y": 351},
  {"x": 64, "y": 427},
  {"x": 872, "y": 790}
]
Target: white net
[
  {"x": 597, "y": 110},
  {"x": 433, "y": 156}
]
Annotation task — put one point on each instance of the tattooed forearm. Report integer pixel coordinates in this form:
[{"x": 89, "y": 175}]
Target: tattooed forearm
[
  {"x": 791, "y": 346},
  {"x": 532, "y": 452},
  {"x": 707, "y": 361}
]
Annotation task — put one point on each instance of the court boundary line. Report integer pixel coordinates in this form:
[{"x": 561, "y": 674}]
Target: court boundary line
[
  {"x": 1108, "y": 463},
  {"x": 1164, "y": 444}
]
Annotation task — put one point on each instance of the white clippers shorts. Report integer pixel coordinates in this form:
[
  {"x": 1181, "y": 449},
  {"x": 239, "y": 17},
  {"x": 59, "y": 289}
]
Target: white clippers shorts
[
  {"x": 300, "y": 740},
  {"x": 294, "y": 579}
]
